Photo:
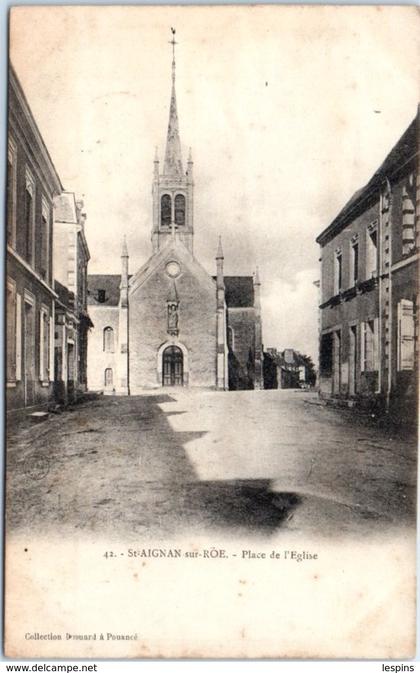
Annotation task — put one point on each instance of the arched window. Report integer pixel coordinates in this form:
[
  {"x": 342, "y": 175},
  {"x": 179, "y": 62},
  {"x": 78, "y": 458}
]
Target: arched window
[
  {"x": 165, "y": 210},
  {"x": 180, "y": 209},
  {"x": 108, "y": 378},
  {"x": 108, "y": 340}
]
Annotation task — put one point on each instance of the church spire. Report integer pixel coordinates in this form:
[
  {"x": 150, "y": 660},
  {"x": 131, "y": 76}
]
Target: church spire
[{"x": 173, "y": 158}]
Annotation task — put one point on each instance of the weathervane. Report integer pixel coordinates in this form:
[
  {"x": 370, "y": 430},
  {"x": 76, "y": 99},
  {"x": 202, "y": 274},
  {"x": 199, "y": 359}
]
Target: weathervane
[{"x": 173, "y": 43}]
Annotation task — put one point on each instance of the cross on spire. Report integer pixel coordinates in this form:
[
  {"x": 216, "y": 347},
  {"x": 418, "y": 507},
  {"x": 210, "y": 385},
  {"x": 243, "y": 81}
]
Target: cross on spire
[{"x": 173, "y": 43}]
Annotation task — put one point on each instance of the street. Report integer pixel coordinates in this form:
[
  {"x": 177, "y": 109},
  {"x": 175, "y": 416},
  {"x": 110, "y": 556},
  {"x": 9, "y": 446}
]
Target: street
[{"x": 249, "y": 463}]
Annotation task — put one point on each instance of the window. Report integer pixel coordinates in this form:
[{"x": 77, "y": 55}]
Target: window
[
  {"x": 44, "y": 239},
  {"x": 369, "y": 345},
  {"x": 44, "y": 345},
  {"x": 408, "y": 229},
  {"x": 108, "y": 340},
  {"x": 11, "y": 331},
  {"x": 405, "y": 357},
  {"x": 11, "y": 192},
  {"x": 180, "y": 209},
  {"x": 326, "y": 355},
  {"x": 354, "y": 261},
  {"x": 338, "y": 271},
  {"x": 165, "y": 210},
  {"x": 29, "y": 222},
  {"x": 231, "y": 339},
  {"x": 108, "y": 378},
  {"x": 101, "y": 296},
  {"x": 371, "y": 251}
]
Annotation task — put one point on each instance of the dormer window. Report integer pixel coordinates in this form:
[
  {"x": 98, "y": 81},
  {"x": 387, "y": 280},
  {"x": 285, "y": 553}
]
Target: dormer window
[{"x": 101, "y": 296}]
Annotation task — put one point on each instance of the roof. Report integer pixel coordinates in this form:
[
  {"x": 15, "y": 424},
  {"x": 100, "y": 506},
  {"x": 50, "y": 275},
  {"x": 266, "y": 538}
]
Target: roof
[
  {"x": 239, "y": 291},
  {"x": 109, "y": 283},
  {"x": 401, "y": 153}
]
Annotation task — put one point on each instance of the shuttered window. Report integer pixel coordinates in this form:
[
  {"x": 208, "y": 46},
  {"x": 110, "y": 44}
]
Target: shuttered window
[
  {"x": 29, "y": 220},
  {"x": 11, "y": 192},
  {"x": 11, "y": 332},
  {"x": 44, "y": 239},
  {"x": 369, "y": 345},
  {"x": 405, "y": 316}
]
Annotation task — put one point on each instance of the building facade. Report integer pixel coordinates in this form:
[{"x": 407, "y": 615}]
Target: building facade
[
  {"x": 32, "y": 184},
  {"x": 369, "y": 287},
  {"x": 72, "y": 322},
  {"x": 172, "y": 323},
  {"x": 287, "y": 369}
]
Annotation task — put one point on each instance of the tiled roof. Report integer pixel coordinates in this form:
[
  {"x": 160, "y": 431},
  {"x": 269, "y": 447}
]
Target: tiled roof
[
  {"x": 239, "y": 291},
  {"x": 109, "y": 284}
]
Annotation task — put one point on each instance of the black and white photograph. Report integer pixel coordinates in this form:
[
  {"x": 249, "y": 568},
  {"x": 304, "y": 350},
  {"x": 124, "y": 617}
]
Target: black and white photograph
[{"x": 212, "y": 332}]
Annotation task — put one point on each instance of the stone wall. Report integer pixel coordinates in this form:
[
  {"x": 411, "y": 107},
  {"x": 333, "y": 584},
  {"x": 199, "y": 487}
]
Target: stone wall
[
  {"x": 242, "y": 322},
  {"x": 98, "y": 360},
  {"x": 148, "y": 329}
]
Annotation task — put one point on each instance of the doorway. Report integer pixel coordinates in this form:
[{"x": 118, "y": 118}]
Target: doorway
[
  {"x": 108, "y": 379},
  {"x": 173, "y": 366}
]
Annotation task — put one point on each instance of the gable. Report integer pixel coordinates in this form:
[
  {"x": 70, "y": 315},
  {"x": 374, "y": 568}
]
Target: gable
[{"x": 156, "y": 265}]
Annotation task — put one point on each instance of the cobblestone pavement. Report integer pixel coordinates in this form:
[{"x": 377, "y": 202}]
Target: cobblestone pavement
[{"x": 240, "y": 463}]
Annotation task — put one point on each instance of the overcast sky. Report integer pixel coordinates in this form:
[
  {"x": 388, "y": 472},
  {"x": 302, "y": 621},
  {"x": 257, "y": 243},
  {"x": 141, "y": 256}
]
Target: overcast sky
[{"x": 288, "y": 111}]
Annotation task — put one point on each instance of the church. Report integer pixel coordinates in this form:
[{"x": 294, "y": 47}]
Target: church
[{"x": 171, "y": 323}]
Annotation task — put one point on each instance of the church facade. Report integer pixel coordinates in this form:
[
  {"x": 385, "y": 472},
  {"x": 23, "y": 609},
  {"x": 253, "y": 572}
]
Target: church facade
[{"x": 172, "y": 323}]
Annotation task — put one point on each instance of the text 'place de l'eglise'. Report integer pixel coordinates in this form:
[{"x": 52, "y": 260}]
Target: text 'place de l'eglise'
[{"x": 172, "y": 323}]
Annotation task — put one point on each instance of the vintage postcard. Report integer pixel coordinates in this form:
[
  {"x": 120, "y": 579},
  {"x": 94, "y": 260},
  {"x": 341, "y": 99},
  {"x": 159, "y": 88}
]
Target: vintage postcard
[{"x": 212, "y": 331}]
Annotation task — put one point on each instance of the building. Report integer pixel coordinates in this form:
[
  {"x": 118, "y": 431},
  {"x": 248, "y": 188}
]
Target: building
[
  {"x": 72, "y": 322},
  {"x": 287, "y": 369},
  {"x": 172, "y": 323},
  {"x": 369, "y": 287},
  {"x": 32, "y": 184}
]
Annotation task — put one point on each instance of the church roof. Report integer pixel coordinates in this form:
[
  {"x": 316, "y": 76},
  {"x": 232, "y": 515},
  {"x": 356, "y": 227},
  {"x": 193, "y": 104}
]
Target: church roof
[
  {"x": 104, "y": 289},
  {"x": 239, "y": 291}
]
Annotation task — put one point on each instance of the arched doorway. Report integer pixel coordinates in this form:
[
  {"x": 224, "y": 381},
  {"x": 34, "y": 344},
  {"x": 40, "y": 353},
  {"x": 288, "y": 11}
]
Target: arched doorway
[{"x": 173, "y": 366}]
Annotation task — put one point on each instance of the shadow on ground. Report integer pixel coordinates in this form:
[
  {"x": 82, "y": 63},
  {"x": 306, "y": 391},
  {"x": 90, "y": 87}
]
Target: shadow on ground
[{"x": 235, "y": 507}]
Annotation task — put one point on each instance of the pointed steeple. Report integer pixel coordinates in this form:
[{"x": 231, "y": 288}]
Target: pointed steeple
[
  {"x": 173, "y": 157},
  {"x": 124, "y": 249},
  {"x": 219, "y": 253}
]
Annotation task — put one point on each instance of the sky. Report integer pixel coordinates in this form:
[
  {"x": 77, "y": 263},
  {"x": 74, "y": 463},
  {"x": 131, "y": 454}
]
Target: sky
[{"x": 288, "y": 110}]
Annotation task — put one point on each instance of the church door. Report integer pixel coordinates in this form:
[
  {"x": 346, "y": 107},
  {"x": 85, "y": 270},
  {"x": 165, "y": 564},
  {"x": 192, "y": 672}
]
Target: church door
[{"x": 173, "y": 366}]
